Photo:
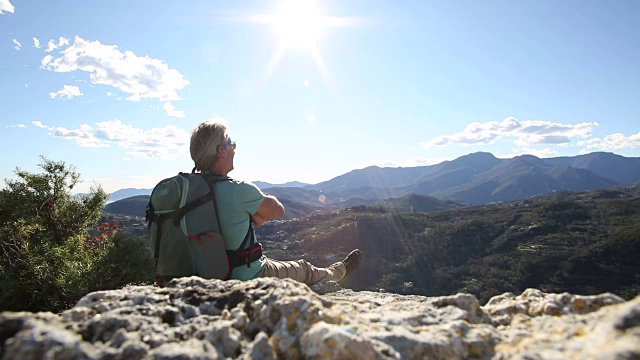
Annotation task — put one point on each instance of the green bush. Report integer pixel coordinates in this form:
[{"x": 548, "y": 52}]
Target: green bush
[
  {"x": 127, "y": 261},
  {"x": 51, "y": 250}
]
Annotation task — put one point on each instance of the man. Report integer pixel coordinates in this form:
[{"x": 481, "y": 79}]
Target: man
[{"x": 239, "y": 203}]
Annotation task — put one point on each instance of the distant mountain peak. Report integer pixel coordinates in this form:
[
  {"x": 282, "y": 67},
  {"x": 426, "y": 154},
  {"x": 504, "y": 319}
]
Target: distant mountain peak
[
  {"x": 528, "y": 159},
  {"x": 479, "y": 160},
  {"x": 479, "y": 154}
]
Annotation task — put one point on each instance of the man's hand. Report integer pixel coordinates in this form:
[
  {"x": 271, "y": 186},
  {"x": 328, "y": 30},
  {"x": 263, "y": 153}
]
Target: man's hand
[{"x": 257, "y": 220}]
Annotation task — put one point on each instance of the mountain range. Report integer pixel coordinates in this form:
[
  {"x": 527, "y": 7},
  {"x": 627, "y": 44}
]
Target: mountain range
[{"x": 473, "y": 179}]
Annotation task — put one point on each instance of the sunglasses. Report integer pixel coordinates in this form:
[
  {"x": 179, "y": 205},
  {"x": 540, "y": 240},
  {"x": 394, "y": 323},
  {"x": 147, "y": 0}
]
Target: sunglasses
[{"x": 230, "y": 143}]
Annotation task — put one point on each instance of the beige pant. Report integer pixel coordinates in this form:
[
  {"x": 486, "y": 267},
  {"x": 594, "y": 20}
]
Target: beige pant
[{"x": 303, "y": 271}]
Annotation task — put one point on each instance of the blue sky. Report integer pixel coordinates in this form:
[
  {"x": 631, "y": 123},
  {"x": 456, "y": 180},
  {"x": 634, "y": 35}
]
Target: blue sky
[{"x": 312, "y": 90}]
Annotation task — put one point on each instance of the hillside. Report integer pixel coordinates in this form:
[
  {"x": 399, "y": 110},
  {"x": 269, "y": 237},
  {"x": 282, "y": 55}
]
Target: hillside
[
  {"x": 615, "y": 167},
  {"x": 133, "y": 206},
  {"x": 418, "y": 203},
  {"x": 581, "y": 242},
  {"x": 522, "y": 177}
]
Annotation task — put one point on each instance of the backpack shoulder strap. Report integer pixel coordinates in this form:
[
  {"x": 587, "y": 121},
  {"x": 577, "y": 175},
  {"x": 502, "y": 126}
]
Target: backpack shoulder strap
[
  {"x": 178, "y": 214},
  {"x": 212, "y": 179}
]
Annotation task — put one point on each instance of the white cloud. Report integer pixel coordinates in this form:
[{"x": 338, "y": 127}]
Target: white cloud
[
  {"x": 140, "y": 76},
  {"x": 167, "y": 142},
  {"x": 41, "y": 125},
  {"x": 158, "y": 143},
  {"x": 68, "y": 91},
  {"x": 526, "y": 133},
  {"x": 19, "y": 126},
  {"x": 5, "y": 5},
  {"x": 51, "y": 45},
  {"x": 18, "y": 45},
  {"x": 612, "y": 142},
  {"x": 171, "y": 111},
  {"x": 36, "y": 43},
  {"x": 84, "y": 137}
]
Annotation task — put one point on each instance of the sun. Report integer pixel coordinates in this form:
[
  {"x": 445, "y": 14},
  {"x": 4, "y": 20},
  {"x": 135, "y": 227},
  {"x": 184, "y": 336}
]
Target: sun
[{"x": 298, "y": 24}]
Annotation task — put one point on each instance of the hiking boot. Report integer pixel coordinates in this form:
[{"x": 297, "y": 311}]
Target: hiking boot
[{"x": 352, "y": 261}]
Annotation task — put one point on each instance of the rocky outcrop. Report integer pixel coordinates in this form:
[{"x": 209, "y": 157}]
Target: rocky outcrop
[{"x": 193, "y": 318}]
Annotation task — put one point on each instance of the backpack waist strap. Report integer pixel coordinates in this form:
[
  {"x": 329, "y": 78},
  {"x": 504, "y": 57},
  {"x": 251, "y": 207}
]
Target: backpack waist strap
[{"x": 245, "y": 256}]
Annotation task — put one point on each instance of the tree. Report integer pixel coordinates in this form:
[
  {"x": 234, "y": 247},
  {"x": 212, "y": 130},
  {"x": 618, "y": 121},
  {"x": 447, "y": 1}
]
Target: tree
[{"x": 50, "y": 241}]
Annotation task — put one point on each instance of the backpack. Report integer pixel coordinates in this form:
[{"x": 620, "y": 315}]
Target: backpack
[{"x": 184, "y": 230}]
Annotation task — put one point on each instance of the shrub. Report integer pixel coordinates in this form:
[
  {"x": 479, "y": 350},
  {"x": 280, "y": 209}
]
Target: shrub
[
  {"x": 42, "y": 232},
  {"x": 127, "y": 261},
  {"x": 51, "y": 250}
]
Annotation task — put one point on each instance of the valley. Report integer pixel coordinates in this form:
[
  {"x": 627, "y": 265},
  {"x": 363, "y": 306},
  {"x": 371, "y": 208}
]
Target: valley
[{"x": 581, "y": 242}]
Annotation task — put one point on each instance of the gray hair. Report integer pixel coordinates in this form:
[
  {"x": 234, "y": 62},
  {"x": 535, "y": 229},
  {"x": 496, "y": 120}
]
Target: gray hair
[{"x": 205, "y": 140}]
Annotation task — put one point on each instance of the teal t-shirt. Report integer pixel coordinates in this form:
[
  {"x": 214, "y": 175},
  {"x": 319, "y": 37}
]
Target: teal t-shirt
[{"x": 237, "y": 201}]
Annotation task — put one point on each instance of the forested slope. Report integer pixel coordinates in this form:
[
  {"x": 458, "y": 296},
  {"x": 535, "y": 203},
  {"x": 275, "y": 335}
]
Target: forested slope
[{"x": 578, "y": 242}]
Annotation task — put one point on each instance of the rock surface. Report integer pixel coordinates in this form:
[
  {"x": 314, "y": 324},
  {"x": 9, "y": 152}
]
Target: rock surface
[{"x": 268, "y": 318}]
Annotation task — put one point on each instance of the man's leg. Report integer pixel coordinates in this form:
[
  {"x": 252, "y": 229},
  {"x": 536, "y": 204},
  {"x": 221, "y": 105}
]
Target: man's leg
[{"x": 305, "y": 272}]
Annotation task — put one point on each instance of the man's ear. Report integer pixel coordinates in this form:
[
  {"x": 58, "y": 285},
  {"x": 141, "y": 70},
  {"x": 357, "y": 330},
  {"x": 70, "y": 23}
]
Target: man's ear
[{"x": 222, "y": 151}]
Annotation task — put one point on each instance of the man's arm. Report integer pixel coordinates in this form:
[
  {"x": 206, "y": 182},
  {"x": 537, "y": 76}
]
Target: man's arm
[{"x": 270, "y": 209}]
